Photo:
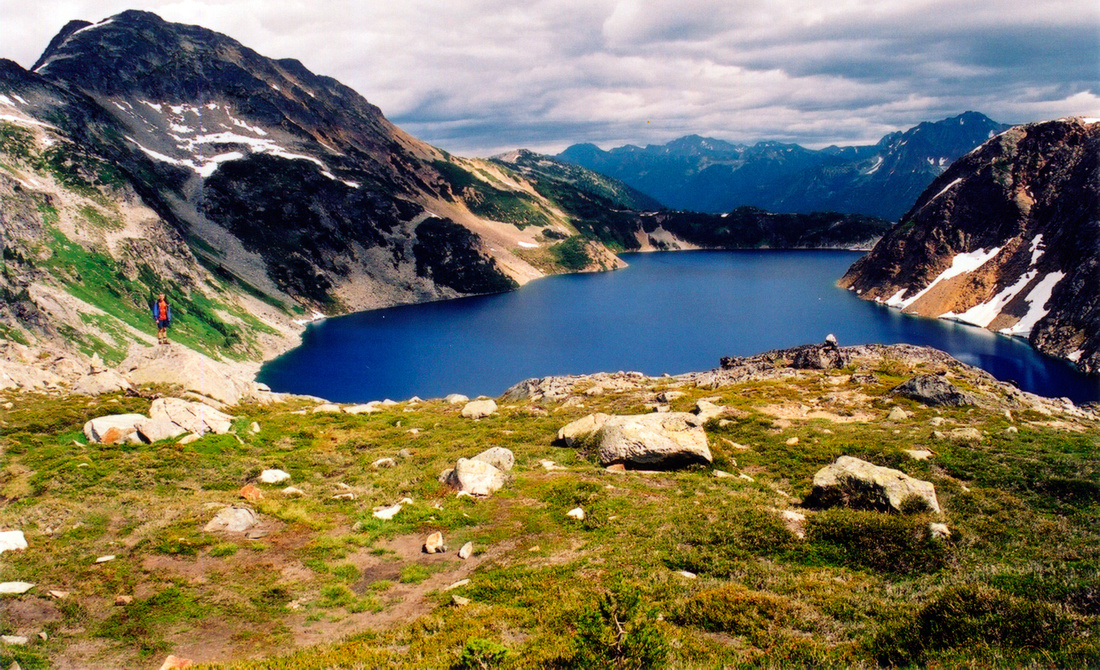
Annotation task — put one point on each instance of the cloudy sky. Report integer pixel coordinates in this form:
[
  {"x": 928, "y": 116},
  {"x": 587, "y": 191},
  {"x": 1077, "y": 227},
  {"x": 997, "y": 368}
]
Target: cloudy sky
[{"x": 477, "y": 77}]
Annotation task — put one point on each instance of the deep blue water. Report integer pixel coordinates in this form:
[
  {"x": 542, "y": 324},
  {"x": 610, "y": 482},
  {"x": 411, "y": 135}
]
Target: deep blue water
[{"x": 667, "y": 312}]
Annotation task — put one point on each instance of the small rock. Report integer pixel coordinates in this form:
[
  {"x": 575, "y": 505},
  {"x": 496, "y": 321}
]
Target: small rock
[
  {"x": 616, "y": 467},
  {"x": 550, "y": 465},
  {"x": 176, "y": 663},
  {"x": 936, "y": 421},
  {"x": 456, "y": 399},
  {"x": 897, "y": 414},
  {"x": 478, "y": 409},
  {"x": 188, "y": 439},
  {"x": 293, "y": 492},
  {"x": 687, "y": 575},
  {"x": 384, "y": 463},
  {"x": 965, "y": 435},
  {"x": 250, "y": 492},
  {"x": 254, "y": 427},
  {"x": 669, "y": 396},
  {"x": 457, "y": 585},
  {"x": 387, "y": 513},
  {"x": 721, "y": 474},
  {"x": 939, "y": 531},
  {"x": 274, "y": 476},
  {"x": 11, "y": 540},
  {"x": 122, "y": 601},
  {"x": 576, "y": 513},
  {"x": 44, "y": 636},
  {"x": 60, "y": 595},
  {"x": 434, "y": 544},
  {"x": 105, "y": 559},
  {"x": 919, "y": 454},
  {"x": 327, "y": 408},
  {"x": 466, "y": 551},
  {"x": 18, "y": 640},
  {"x": 15, "y": 588},
  {"x": 459, "y": 601},
  {"x": 1011, "y": 430},
  {"x": 369, "y": 408},
  {"x": 792, "y": 441},
  {"x": 344, "y": 496},
  {"x": 232, "y": 520},
  {"x": 745, "y": 477}
]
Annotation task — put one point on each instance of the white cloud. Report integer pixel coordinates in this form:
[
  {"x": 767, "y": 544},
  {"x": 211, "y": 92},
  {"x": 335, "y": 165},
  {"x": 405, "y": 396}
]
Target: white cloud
[{"x": 478, "y": 76}]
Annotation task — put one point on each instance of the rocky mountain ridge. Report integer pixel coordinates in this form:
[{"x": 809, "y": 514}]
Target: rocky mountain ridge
[
  {"x": 708, "y": 175},
  {"x": 1008, "y": 239}
]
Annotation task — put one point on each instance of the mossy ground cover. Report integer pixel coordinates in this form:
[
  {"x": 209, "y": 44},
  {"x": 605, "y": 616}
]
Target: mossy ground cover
[{"x": 1014, "y": 586}]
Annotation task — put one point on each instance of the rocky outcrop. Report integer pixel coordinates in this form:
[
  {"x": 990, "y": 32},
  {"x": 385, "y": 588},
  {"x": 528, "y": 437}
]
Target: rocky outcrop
[
  {"x": 1008, "y": 238},
  {"x": 933, "y": 390},
  {"x": 857, "y": 484},
  {"x": 660, "y": 441}
]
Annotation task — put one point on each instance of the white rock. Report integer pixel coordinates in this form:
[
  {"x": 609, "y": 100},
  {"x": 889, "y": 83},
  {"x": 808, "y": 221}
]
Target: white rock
[
  {"x": 500, "y": 458},
  {"x": 722, "y": 474},
  {"x": 550, "y": 465},
  {"x": 384, "y": 463},
  {"x": 195, "y": 417},
  {"x": 571, "y": 433},
  {"x": 792, "y": 441},
  {"x": 18, "y": 640},
  {"x": 15, "y": 587},
  {"x": 327, "y": 408},
  {"x": 434, "y": 544},
  {"x": 459, "y": 584},
  {"x": 123, "y": 426},
  {"x": 478, "y": 409},
  {"x": 576, "y": 513},
  {"x": 369, "y": 408},
  {"x": 105, "y": 559},
  {"x": 475, "y": 477},
  {"x": 940, "y": 531},
  {"x": 274, "y": 476},
  {"x": 687, "y": 575},
  {"x": 649, "y": 441},
  {"x": 918, "y": 454},
  {"x": 11, "y": 540},
  {"x": 466, "y": 551},
  {"x": 858, "y": 483},
  {"x": 232, "y": 520},
  {"x": 456, "y": 399},
  {"x": 253, "y": 427},
  {"x": 897, "y": 414},
  {"x": 154, "y": 430},
  {"x": 387, "y": 513}
]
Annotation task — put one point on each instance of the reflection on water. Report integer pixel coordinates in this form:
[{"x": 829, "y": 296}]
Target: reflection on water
[{"x": 668, "y": 312}]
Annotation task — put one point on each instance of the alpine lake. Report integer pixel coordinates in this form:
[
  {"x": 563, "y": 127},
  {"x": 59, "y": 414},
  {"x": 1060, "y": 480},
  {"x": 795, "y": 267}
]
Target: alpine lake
[{"x": 665, "y": 313}]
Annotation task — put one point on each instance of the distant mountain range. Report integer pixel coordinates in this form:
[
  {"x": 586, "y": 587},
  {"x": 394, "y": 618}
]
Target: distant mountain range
[
  {"x": 1008, "y": 238},
  {"x": 708, "y": 175}
]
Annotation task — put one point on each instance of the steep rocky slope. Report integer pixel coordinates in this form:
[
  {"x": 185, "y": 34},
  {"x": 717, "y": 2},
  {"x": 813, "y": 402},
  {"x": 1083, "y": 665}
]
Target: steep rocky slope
[
  {"x": 709, "y": 175},
  {"x": 1007, "y": 239}
]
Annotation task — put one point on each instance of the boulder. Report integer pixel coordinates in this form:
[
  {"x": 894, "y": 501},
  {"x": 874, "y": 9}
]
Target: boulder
[
  {"x": 571, "y": 433},
  {"x": 114, "y": 428},
  {"x": 250, "y": 492},
  {"x": 456, "y": 399},
  {"x": 475, "y": 477},
  {"x": 154, "y": 430},
  {"x": 826, "y": 356},
  {"x": 933, "y": 390},
  {"x": 466, "y": 551},
  {"x": 194, "y": 417},
  {"x": 500, "y": 458},
  {"x": 10, "y": 540},
  {"x": 652, "y": 441},
  {"x": 100, "y": 381},
  {"x": 858, "y": 484},
  {"x": 478, "y": 409},
  {"x": 434, "y": 544},
  {"x": 232, "y": 520},
  {"x": 274, "y": 476}
]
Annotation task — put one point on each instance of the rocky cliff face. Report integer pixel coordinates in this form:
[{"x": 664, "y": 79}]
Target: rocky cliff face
[
  {"x": 1008, "y": 238},
  {"x": 143, "y": 156}
]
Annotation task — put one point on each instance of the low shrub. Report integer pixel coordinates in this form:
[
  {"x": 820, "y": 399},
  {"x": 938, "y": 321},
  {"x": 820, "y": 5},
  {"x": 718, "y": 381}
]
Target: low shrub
[
  {"x": 736, "y": 610},
  {"x": 874, "y": 540}
]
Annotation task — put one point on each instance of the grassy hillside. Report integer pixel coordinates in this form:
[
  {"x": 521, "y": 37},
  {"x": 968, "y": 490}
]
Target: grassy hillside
[{"x": 671, "y": 569}]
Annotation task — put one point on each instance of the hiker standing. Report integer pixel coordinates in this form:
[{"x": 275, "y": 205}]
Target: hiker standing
[{"x": 162, "y": 314}]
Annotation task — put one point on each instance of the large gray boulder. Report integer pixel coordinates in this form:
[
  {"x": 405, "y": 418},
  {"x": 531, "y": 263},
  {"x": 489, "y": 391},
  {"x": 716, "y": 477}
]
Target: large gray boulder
[
  {"x": 475, "y": 477},
  {"x": 194, "y": 417},
  {"x": 855, "y": 483},
  {"x": 933, "y": 390},
  {"x": 652, "y": 441}
]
